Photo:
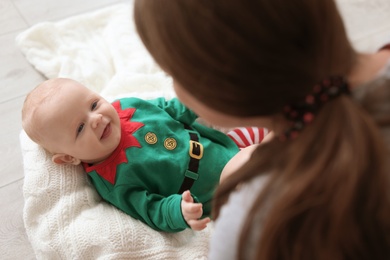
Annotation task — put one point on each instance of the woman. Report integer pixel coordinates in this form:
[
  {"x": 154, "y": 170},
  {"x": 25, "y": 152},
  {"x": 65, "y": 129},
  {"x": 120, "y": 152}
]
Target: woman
[{"x": 320, "y": 188}]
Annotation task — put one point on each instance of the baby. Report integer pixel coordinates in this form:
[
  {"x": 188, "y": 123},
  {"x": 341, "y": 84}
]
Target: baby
[{"x": 148, "y": 158}]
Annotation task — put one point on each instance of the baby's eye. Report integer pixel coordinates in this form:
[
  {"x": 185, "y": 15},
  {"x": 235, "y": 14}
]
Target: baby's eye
[
  {"x": 94, "y": 105},
  {"x": 80, "y": 128}
]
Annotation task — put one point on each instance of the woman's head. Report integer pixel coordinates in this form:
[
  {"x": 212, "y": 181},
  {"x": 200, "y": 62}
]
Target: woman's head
[
  {"x": 248, "y": 58},
  {"x": 245, "y": 58}
]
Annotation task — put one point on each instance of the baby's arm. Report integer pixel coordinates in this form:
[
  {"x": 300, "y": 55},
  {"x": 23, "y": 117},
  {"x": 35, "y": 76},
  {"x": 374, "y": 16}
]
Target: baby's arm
[
  {"x": 157, "y": 211},
  {"x": 192, "y": 212}
]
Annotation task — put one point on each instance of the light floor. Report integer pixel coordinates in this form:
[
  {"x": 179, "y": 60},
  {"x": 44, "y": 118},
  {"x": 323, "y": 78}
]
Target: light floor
[{"x": 17, "y": 78}]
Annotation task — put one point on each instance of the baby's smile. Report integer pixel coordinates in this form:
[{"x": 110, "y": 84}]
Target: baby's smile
[{"x": 106, "y": 131}]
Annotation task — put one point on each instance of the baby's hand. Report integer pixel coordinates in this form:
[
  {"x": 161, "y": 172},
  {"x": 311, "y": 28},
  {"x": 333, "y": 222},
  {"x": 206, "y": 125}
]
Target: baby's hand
[{"x": 192, "y": 212}]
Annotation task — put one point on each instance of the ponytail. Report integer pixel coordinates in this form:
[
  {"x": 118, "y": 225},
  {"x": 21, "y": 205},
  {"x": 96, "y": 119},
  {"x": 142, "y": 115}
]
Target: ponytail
[{"x": 328, "y": 192}]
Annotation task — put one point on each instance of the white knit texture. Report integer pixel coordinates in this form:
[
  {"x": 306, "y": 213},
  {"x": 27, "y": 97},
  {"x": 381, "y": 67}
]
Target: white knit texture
[{"x": 64, "y": 216}]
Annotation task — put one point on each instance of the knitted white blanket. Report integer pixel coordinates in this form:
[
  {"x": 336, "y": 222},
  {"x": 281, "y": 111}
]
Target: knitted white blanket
[{"x": 64, "y": 216}]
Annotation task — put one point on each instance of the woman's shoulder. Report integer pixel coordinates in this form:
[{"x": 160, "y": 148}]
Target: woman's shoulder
[
  {"x": 228, "y": 226},
  {"x": 376, "y": 92},
  {"x": 374, "y": 97}
]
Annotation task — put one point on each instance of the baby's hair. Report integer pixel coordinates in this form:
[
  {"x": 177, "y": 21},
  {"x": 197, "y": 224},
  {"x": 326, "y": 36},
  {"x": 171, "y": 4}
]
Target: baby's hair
[{"x": 32, "y": 119}]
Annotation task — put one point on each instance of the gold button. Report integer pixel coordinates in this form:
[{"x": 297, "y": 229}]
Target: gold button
[
  {"x": 170, "y": 143},
  {"x": 151, "y": 138}
]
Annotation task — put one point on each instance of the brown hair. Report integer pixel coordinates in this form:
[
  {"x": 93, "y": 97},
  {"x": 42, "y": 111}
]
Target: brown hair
[{"x": 328, "y": 188}]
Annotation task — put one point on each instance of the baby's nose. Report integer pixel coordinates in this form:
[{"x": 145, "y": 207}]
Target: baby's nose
[{"x": 96, "y": 120}]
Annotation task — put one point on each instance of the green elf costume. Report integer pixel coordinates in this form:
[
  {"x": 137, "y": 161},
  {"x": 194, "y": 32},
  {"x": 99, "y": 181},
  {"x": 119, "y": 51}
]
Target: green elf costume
[{"x": 162, "y": 153}]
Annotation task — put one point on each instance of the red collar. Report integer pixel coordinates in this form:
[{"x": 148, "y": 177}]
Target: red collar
[{"x": 107, "y": 168}]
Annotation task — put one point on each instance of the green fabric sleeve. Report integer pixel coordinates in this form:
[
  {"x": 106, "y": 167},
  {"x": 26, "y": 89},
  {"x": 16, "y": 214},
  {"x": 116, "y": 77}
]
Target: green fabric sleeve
[{"x": 159, "y": 212}]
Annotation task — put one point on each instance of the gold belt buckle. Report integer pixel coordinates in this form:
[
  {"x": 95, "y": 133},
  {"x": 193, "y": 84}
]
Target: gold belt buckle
[{"x": 198, "y": 147}]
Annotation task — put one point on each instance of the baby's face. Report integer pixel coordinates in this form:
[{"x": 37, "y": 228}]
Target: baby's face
[{"x": 81, "y": 123}]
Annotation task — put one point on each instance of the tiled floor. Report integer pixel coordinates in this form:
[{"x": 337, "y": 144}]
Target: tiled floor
[
  {"x": 17, "y": 77},
  {"x": 368, "y": 22}
]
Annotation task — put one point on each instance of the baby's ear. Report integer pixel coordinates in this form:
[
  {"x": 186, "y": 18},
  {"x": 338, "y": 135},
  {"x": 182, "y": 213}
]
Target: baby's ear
[{"x": 61, "y": 158}]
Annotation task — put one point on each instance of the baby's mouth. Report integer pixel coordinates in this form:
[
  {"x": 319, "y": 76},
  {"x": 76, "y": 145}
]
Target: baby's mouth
[{"x": 106, "y": 132}]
